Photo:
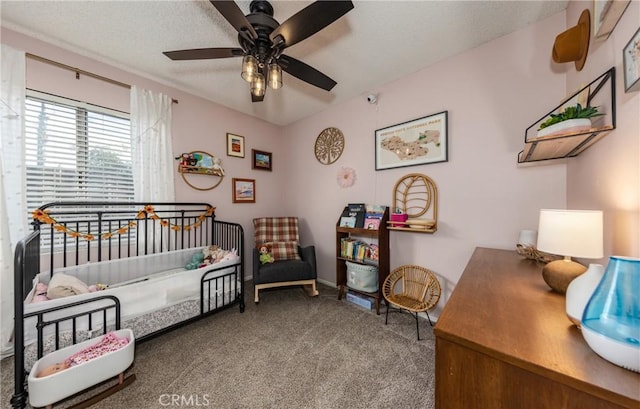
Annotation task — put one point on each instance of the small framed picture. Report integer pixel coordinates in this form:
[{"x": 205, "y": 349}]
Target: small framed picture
[
  {"x": 261, "y": 159},
  {"x": 235, "y": 145},
  {"x": 244, "y": 190},
  {"x": 631, "y": 59}
]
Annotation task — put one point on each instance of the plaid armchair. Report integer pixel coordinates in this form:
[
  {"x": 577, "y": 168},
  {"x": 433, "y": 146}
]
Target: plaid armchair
[{"x": 291, "y": 264}]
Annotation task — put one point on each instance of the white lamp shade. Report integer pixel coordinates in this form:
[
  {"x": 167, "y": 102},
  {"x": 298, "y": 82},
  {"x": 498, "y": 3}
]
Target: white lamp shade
[{"x": 573, "y": 233}]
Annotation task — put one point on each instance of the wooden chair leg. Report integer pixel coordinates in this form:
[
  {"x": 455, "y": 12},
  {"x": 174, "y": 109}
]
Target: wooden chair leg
[{"x": 256, "y": 298}]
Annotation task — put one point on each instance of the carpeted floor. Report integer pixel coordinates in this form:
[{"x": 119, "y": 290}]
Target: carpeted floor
[{"x": 289, "y": 351}]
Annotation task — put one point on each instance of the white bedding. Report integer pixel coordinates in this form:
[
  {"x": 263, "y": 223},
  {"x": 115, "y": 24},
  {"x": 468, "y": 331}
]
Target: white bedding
[{"x": 144, "y": 284}]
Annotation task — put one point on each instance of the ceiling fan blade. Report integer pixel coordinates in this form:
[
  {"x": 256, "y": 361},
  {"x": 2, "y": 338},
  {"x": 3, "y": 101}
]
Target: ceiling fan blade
[
  {"x": 235, "y": 16},
  {"x": 204, "y": 53},
  {"x": 309, "y": 21},
  {"x": 305, "y": 72},
  {"x": 256, "y": 99}
]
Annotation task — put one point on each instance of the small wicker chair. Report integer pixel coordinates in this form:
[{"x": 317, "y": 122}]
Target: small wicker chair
[{"x": 411, "y": 288}]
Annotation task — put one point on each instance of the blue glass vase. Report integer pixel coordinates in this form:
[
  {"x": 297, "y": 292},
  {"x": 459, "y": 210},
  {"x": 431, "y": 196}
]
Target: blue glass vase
[{"x": 611, "y": 319}]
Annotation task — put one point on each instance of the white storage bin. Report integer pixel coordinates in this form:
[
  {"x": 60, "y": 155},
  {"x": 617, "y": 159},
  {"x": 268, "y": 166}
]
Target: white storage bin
[
  {"x": 362, "y": 277},
  {"x": 53, "y": 388}
]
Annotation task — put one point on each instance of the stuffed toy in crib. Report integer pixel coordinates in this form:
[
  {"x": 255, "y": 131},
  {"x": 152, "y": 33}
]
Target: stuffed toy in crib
[{"x": 210, "y": 255}]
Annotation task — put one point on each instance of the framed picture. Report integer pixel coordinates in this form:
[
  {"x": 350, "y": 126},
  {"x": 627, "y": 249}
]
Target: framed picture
[
  {"x": 631, "y": 58},
  {"x": 417, "y": 142},
  {"x": 235, "y": 145},
  {"x": 244, "y": 190},
  {"x": 261, "y": 159},
  {"x": 606, "y": 14}
]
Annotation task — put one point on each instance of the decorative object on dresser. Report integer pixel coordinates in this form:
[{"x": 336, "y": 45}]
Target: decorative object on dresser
[
  {"x": 631, "y": 59},
  {"x": 329, "y": 145},
  {"x": 413, "y": 289},
  {"x": 572, "y": 45},
  {"x": 611, "y": 320},
  {"x": 569, "y": 233},
  {"x": 415, "y": 199},
  {"x": 200, "y": 163},
  {"x": 580, "y": 290},
  {"x": 416, "y": 142},
  {"x": 526, "y": 246}
]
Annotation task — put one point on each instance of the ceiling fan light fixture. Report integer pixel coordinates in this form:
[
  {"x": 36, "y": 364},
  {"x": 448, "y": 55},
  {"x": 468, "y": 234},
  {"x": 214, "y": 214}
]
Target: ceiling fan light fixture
[
  {"x": 249, "y": 68},
  {"x": 275, "y": 76},
  {"x": 258, "y": 85}
]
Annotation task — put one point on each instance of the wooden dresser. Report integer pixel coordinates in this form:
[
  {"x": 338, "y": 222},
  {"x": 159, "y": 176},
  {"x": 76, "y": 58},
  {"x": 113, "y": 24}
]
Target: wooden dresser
[{"x": 504, "y": 341}]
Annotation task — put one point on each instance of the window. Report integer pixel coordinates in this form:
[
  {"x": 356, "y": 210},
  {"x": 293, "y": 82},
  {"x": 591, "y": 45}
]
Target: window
[{"x": 76, "y": 151}]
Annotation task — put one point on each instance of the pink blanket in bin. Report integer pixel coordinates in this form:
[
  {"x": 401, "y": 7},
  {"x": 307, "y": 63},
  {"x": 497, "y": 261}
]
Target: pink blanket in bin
[{"x": 109, "y": 342}]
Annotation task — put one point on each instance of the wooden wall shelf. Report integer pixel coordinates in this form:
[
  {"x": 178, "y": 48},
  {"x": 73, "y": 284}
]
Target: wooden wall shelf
[{"x": 601, "y": 93}]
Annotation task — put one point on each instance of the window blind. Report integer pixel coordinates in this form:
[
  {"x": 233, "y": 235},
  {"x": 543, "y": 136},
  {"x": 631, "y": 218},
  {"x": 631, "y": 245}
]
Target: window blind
[{"x": 76, "y": 151}]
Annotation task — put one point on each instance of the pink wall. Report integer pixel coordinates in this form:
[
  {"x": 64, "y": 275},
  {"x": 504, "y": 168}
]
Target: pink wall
[
  {"x": 607, "y": 175},
  {"x": 492, "y": 94}
]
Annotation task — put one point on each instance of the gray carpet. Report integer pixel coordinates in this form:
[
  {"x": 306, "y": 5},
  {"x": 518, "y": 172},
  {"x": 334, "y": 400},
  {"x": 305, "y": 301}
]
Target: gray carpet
[{"x": 289, "y": 351}]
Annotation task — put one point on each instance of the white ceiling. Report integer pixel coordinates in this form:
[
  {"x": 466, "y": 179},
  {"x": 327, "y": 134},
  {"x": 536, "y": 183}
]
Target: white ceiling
[{"x": 372, "y": 45}]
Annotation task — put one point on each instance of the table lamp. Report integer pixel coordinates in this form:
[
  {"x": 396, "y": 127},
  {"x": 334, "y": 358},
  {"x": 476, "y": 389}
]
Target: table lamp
[{"x": 568, "y": 233}]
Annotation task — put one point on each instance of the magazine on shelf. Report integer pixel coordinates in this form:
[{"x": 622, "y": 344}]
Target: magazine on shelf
[
  {"x": 348, "y": 221},
  {"x": 356, "y": 210},
  {"x": 373, "y": 215}
]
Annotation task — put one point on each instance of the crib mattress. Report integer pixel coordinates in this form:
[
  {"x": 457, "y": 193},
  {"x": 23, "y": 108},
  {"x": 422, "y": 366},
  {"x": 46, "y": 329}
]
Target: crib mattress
[
  {"x": 53, "y": 388},
  {"x": 137, "y": 297}
]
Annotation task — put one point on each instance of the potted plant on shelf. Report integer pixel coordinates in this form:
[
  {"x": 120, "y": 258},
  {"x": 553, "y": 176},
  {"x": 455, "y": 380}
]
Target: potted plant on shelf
[{"x": 573, "y": 119}]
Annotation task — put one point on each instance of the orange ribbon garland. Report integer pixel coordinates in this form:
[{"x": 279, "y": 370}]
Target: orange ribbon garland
[{"x": 147, "y": 211}]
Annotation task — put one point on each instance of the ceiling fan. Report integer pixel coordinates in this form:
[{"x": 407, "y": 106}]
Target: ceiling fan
[{"x": 262, "y": 40}]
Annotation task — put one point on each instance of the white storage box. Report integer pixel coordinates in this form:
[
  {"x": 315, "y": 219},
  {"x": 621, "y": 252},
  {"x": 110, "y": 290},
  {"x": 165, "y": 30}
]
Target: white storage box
[
  {"x": 50, "y": 389},
  {"x": 360, "y": 301},
  {"x": 362, "y": 277}
]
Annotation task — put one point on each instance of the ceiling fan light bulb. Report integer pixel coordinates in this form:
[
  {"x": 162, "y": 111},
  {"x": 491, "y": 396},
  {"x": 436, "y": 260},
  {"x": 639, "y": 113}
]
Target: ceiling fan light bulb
[
  {"x": 249, "y": 67},
  {"x": 258, "y": 85},
  {"x": 275, "y": 76}
]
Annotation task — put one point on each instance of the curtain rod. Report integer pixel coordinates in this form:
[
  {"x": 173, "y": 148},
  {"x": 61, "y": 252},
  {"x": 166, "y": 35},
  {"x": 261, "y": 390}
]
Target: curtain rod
[{"x": 79, "y": 71}]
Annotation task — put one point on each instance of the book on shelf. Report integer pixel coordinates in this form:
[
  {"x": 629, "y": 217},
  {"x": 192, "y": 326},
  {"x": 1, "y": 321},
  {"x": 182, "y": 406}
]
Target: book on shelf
[
  {"x": 372, "y": 223},
  {"x": 358, "y": 250},
  {"x": 356, "y": 210},
  {"x": 347, "y": 221},
  {"x": 373, "y": 215}
]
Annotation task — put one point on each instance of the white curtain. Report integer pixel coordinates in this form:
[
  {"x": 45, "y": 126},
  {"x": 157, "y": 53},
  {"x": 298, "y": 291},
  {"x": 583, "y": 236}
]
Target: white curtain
[
  {"x": 13, "y": 202},
  {"x": 153, "y": 161}
]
